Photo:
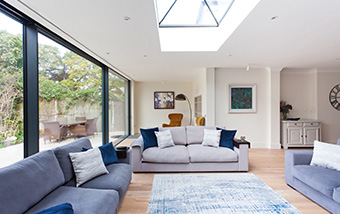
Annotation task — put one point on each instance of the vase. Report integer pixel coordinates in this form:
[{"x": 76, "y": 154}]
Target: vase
[{"x": 284, "y": 116}]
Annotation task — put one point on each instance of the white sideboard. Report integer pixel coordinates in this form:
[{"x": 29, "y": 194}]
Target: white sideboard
[{"x": 301, "y": 133}]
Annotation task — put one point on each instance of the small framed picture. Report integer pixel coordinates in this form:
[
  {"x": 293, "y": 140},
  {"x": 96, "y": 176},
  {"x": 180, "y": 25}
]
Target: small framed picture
[
  {"x": 242, "y": 98},
  {"x": 164, "y": 100}
]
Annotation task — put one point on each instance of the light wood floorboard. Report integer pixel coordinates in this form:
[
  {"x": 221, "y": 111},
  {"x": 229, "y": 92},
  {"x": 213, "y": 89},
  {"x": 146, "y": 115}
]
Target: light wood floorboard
[{"x": 266, "y": 164}]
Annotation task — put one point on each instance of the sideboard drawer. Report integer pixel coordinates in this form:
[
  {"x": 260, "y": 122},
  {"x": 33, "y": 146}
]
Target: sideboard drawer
[
  {"x": 311, "y": 124},
  {"x": 297, "y": 124}
]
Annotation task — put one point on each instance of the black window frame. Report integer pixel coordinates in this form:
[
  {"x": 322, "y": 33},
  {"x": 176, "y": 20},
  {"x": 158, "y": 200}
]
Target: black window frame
[{"x": 31, "y": 28}]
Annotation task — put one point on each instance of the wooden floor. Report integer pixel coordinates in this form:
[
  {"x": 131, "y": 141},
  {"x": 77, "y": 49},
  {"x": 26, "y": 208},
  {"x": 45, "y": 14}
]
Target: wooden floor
[{"x": 266, "y": 164}]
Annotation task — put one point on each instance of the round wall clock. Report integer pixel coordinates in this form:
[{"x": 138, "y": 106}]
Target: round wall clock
[{"x": 334, "y": 97}]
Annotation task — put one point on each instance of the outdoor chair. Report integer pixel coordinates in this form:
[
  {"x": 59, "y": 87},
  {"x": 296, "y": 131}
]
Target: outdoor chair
[
  {"x": 53, "y": 130},
  {"x": 91, "y": 126},
  {"x": 175, "y": 120}
]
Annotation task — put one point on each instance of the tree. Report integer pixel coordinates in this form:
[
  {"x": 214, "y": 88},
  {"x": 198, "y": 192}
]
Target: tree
[{"x": 10, "y": 85}]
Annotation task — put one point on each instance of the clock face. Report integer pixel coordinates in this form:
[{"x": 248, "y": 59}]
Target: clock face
[{"x": 334, "y": 97}]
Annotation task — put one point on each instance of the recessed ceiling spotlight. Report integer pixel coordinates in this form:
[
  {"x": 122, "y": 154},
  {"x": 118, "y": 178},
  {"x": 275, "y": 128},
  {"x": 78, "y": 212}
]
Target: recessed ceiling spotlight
[
  {"x": 274, "y": 17},
  {"x": 230, "y": 55},
  {"x": 145, "y": 55},
  {"x": 108, "y": 53},
  {"x": 127, "y": 18}
]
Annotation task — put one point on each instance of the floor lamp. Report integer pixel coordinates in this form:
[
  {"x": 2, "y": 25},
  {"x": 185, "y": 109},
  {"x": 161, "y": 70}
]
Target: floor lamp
[{"x": 182, "y": 97}]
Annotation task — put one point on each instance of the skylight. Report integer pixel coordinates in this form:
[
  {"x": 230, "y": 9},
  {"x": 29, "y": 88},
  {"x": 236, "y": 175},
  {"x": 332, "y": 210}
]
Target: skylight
[
  {"x": 190, "y": 26},
  {"x": 192, "y": 13}
]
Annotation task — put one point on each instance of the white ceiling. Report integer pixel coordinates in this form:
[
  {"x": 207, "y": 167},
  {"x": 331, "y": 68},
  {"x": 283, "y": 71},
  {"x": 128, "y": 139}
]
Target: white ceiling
[{"x": 305, "y": 35}]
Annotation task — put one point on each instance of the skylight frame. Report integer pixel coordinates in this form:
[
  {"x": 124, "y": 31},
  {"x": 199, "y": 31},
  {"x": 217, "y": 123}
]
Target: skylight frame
[{"x": 218, "y": 22}]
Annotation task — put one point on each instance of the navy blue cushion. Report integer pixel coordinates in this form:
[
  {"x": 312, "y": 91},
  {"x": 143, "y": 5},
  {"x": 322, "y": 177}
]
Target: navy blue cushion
[
  {"x": 227, "y": 137},
  {"x": 149, "y": 137},
  {"x": 65, "y": 208},
  {"x": 108, "y": 152}
]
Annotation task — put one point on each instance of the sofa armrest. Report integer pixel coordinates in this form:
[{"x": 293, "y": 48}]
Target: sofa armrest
[
  {"x": 293, "y": 158},
  {"x": 136, "y": 154},
  {"x": 243, "y": 156}
]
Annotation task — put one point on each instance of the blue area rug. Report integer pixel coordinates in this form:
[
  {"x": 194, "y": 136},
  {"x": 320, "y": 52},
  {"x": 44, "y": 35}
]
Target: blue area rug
[{"x": 215, "y": 194}]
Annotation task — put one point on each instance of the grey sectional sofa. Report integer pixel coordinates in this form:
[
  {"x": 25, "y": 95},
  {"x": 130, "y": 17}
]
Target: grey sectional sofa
[
  {"x": 47, "y": 179},
  {"x": 320, "y": 184},
  {"x": 188, "y": 154}
]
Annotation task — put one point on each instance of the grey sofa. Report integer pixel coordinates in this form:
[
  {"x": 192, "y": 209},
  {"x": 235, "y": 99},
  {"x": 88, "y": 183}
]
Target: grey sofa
[
  {"x": 47, "y": 179},
  {"x": 320, "y": 184},
  {"x": 188, "y": 154}
]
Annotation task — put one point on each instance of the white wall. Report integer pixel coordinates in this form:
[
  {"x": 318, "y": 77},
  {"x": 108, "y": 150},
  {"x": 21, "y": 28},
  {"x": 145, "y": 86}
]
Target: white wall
[
  {"x": 329, "y": 116},
  {"x": 298, "y": 88},
  {"x": 254, "y": 126},
  {"x": 145, "y": 116},
  {"x": 199, "y": 86}
]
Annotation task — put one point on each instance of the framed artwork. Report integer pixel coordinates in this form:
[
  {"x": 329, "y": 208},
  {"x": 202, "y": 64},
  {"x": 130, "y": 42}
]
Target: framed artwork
[
  {"x": 242, "y": 98},
  {"x": 164, "y": 100}
]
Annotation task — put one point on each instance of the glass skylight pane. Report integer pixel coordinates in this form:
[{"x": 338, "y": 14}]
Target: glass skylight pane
[
  {"x": 163, "y": 7},
  {"x": 219, "y": 8},
  {"x": 191, "y": 13},
  {"x": 188, "y": 13}
]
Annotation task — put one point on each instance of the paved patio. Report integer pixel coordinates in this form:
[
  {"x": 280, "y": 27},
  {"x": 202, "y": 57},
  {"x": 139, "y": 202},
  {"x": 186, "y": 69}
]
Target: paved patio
[{"x": 11, "y": 154}]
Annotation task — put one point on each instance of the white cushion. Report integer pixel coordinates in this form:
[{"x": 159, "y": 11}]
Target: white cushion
[
  {"x": 326, "y": 155},
  {"x": 211, "y": 138},
  {"x": 178, "y": 134},
  {"x": 87, "y": 165},
  {"x": 164, "y": 139}
]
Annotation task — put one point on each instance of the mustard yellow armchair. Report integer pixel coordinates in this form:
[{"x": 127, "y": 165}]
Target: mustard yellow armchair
[
  {"x": 200, "y": 121},
  {"x": 175, "y": 120}
]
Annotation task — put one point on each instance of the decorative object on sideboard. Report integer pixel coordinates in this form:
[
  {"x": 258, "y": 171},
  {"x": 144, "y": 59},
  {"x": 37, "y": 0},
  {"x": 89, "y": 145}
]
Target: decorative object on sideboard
[
  {"x": 164, "y": 100},
  {"x": 284, "y": 109},
  {"x": 242, "y": 99},
  {"x": 182, "y": 97},
  {"x": 334, "y": 97}
]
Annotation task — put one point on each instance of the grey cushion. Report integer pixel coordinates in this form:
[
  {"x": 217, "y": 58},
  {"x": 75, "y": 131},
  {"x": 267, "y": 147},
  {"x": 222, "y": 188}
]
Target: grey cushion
[
  {"x": 206, "y": 154},
  {"x": 26, "y": 182},
  {"x": 87, "y": 165},
  {"x": 195, "y": 133},
  {"x": 322, "y": 179},
  {"x": 83, "y": 200},
  {"x": 336, "y": 195},
  {"x": 178, "y": 134},
  {"x": 63, "y": 158},
  {"x": 119, "y": 178},
  {"x": 174, "y": 154}
]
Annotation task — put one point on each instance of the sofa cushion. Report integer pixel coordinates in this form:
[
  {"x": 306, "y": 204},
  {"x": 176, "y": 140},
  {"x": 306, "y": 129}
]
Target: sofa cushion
[
  {"x": 149, "y": 137},
  {"x": 26, "y": 182},
  {"x": 83, "y": 200},
  {"x": 211, "y": 138},
  {"x": 321, "y": 179},
  {"x": 204, "y": 154},
  {"x": 164, "y": 139},
  {"x": 227, "y": 137},
  {"x": 336, "y": 195},
  {"x": 178, "y": 134},
  {"x": 195, "y": 133},
  {"x": 62, "y": 155},
  {"x": 118, "y": 179},
  {"x": 87, "y": 165},
  {"x": 174, "y": 154},
  {"x": 326, "y": 155}
]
